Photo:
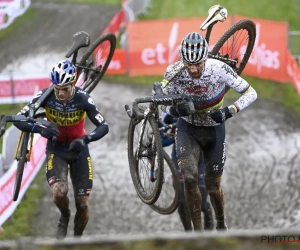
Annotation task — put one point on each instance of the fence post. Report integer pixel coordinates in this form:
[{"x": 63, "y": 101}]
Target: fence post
[{"x": 12, "y": 86}]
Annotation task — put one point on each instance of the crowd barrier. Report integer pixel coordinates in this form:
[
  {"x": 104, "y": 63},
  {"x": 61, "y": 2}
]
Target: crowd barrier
[
  {"x": 7, "y": 205},
  {"x": 10, "y": 10}
]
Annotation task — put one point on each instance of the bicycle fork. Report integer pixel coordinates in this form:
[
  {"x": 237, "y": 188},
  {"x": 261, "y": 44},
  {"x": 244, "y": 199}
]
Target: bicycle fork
[{"x": 149, "y": 152}]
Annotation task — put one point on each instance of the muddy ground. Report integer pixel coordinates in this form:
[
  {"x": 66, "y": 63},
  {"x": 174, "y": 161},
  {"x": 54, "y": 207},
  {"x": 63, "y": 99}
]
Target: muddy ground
[{"x": 263, "y": 145}]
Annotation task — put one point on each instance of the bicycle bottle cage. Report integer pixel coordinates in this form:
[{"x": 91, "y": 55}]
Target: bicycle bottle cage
[
  {"x": 215, "y": 13},
  {"x": 80, "y": 39}
]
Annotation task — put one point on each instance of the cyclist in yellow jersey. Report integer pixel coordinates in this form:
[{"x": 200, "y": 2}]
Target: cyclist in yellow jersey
[{"x": 68, "y": 107}]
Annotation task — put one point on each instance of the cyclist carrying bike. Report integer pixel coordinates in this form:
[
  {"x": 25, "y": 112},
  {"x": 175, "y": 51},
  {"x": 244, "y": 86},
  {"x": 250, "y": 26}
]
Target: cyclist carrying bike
[
  {"x": 205, "y": 81},
  {"x": 68, "y": 107},
  {"x": 183, "y": 211}
]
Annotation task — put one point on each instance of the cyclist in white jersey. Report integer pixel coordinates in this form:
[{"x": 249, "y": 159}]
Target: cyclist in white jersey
[{"x": 205, "y": 81}]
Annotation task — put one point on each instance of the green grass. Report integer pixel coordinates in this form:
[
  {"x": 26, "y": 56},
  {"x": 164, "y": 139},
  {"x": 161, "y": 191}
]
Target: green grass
[
  {"x": 277, "y": 10},
  {"x": 20, "y": 225},
  {"x": 265, "y": 9},
  {"x": 9, "y": 109},
  {"x": 21, "y": 20},
  {"x": 109, "y": 2}
]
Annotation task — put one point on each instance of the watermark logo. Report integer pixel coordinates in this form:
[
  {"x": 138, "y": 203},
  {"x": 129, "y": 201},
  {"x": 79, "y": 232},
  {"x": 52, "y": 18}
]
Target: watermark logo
[{"x": 276, "y": 239}]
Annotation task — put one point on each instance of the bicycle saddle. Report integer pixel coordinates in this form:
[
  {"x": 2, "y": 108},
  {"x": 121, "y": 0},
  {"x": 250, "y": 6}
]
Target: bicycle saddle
[
  {"x": 80, "y": 39},
  {"x": 215, "y": 13}
]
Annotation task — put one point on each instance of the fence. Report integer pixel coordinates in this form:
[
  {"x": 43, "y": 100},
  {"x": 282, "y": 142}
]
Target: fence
[{"x": 294, "y": 41}]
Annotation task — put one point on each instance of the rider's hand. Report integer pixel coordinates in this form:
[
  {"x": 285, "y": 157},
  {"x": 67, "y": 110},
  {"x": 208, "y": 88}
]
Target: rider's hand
[
  {"x": 181, "y": 109},
  {"x": 78, "y": 145},
  {"x": 46, "y": 132},
  {"x": 169, "y": 119},
  {"x": 220, "y": 115}
]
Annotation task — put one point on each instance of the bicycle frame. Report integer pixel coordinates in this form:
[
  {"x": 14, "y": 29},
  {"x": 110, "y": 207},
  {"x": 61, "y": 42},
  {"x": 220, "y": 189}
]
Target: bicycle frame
[{"x": 152, "y": 110}]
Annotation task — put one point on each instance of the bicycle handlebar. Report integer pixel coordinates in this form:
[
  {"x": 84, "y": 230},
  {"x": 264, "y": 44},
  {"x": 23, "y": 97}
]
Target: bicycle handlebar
[
  {"x": 22, "y": 118},
  {"x": 158, "y": 99}
]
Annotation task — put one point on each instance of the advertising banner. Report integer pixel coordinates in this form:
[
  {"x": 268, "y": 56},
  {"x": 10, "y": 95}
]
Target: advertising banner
[
  {"x": 10, "y": 10},
  {"x": 20, "y": 88},
  {"x": 269, "y": 56},
  {"x": 153, "y": 45},
  {"x": 7, "y": 205}
]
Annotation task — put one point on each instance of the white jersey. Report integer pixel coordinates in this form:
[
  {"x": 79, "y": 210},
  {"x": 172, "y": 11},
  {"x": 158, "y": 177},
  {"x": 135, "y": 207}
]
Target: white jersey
[{"x": 208, "y": 91}]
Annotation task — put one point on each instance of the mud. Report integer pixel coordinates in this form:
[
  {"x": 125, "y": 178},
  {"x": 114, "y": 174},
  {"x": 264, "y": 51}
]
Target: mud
[
  {"x": 261, "y": 175},
  {"x": 260, "y": 178}
]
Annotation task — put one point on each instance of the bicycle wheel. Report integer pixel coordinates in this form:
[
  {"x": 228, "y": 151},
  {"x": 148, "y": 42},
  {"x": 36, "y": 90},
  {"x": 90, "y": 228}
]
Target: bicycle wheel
[
  {"x": 97, "y": 56},
  {"x": 146, "y": 166},
  {"x": 22, "y": 159},
  {"x": 237, "y": 43},
  {"x": 168, "y": 200}
]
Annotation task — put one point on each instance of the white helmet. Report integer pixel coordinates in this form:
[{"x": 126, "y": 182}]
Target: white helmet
[
  {"x": 193, "y": 48},
  {"x": 63, "y": 73}
]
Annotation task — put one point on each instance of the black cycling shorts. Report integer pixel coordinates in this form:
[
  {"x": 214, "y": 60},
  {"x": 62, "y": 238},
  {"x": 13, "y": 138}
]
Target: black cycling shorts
[
  {"x": 191, "y": 140},
  {"x": 60, "y": 160}
]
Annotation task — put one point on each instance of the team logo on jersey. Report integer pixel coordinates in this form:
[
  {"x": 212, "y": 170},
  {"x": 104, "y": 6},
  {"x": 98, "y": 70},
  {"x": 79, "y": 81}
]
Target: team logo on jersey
[
  {"x": 91, "y": 101},
  {"x": 81, "y": 91},
  {"x": 229, "y": 70},
  {"x": 99, "y": 118},
  {"x": 38, "y": 94},
  {"x": 25, "y": 109},
  {"x": 197, "y": 89},
  {"x": 65, "y": 118},
  {"x": 164, "y": 83}
]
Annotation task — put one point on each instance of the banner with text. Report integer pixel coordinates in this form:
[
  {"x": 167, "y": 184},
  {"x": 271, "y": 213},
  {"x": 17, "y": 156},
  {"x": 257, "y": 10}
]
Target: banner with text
[
  {"x": 7, "y": 205},
  {"x": 269, "y": 56},
  {"x": 20, "y": 88},
  {"x": 10, "y": 10},
  {"x": 153, "y": 45}
]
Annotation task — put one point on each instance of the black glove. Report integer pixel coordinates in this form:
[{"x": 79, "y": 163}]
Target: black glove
[
  {"x": 46, "y": 132},
  {"x": 181, "y": 109},
  {"x": 220, "y": 115},
  {"x": 169, "y": 119},
  {"x": 78, "y": 145}
]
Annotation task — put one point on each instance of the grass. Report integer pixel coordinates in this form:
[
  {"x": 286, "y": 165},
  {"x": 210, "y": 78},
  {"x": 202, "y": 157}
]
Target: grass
[
  {"x": 108, "y": 2},
  {"x": 21, "y": 20},
  {"x": 20, "y": 225},
  {"x": 9, "y": 109},
  {"x": 265, "y": 9}
]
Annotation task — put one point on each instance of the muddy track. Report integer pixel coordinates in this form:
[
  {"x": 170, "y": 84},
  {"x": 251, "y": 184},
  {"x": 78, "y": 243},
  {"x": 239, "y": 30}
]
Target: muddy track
[
  {"x": 47, "y": 37},
  {"x": 263, "y": 145}
]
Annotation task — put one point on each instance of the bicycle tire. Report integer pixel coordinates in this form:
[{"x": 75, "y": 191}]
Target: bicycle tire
[
  {"x": 94, "y": 78},
  {"x": 168, "y": 200},
  {"x": 21, "y": 164},
  {"x": 233, "y": 31},
  {"x": 134, "y": 163}
]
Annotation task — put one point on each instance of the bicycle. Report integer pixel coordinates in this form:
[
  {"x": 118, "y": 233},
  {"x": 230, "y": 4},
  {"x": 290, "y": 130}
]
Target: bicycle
[
  {"x": 149, "y": 148},
  {"x": 233, "y": 48},
  {"x": 169, "y": 197},
  {"x": 90, "y": 69}
]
